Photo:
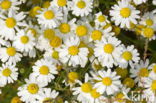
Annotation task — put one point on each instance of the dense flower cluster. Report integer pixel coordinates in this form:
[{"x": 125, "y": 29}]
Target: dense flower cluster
[{"x": 66, "y": 51}]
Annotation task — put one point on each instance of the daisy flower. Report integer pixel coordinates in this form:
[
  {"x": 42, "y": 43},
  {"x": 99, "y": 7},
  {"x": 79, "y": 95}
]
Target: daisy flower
[
  {"x": 149, "y": 33},
  {"x": 8, "y": 74},
  {"x": 139, "y": 71},
  {"x": 152, "y": 67},
  {"x": 71, "y": 53},
  {"x": 29, "y": 92},
  {"x": 81, "y": 7},
  {"x": 44, "y": 70},
  {"x": 107, "y": 82},
  {"x": 9, "y": 5},
  {"x": 52, "y": 54},
  {"x": 124, "y": 13},
  {"x": 50, "y": 17},
  {"x": 137, "y": 2},
  {"x": 11, "y": 23},
  {"x": 62, "y": 4},
  {"x": 24, "y": 41},
  {"x": 10, "y": 54},
  {"x": 101, "y": 19},
  {"x": 129, "y": 55},
  {"x": 108, "y": 51},
  {"x": 47, "y": 95}
]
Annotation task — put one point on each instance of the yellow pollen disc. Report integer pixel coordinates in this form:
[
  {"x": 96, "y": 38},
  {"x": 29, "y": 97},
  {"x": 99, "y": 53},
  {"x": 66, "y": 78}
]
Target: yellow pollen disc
[
  {"x": 34, "y": 11},
  {"x": 55, "y": 54},
  {"x": 61, "y": 2},
  {"x": 44, "y": 70},
  {"x": 119, "y": 97},
  {"x": 49, "y": 14},
  {"x": 49, "y": 34},
  {"x": 64, "y": 28},
  {"x": 81, "y": 30},
  {"x": 46, "y": 4},
  {"x": 125, "y": 12},
  {"x": 127, "y": 55},
  {"x": 121, "y": 72},
  {"x": 148, "y": 32},
  {"x": 5, "y": 4},
  {"x": 81, "y": 4},
  {"x": 153, "y": 85},
  {"x": 143, "y": 72},
  {"x": 154, "y": 69},
  {"x": 107, "y": 81},
  {"x": 129, "y": 82},
  {"x": 73, "y": 76},
  {"x": 73, "y": 50},
  {"x": 149, "y": 22},
  {"x": 11, "y": 51},
  {"x": 95, "y": 94},
  {"x": 86, "y": 87},
  {"x": 6, "y": 72},
  {"x": 33, "y": 31},
  {"x": 96, "y": 35},
  {"x": 24, "y": 39},
  {"x": 101, "y": 18},
  {"x": 108, "y": 48},
  {"x": 10, "y": 22},
  {"x": 16, "y": 100},
  {"x": 33, "y": 88},
  {"x": 56, "y": 42}
]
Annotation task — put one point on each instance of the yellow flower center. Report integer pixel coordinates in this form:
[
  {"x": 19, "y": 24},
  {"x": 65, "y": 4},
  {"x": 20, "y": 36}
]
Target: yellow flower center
[
  {"x": 49, "y": 14},
  {"x": 81, "y": 30},
  {"x": 154, "y": 69},
  {"x": 46, "y": 4},
  {"x": 96, "y": 35},
  {"x": 55, "y": 54},
  {"x": 73, "y": 76},
  {"x": 61, "y": 2},
  {"x": 86, "y": 87},
  {"x": 101, "y": 18},
  {"x": 95, "y": 94},
  {"x": 11, "y": 51},
  {"x": 6, "y": 72},
  {"x": 64, "y": 28},
  {"x": 119, "y": 97},
  {"x": 129, "y": 82},
  {"x": 107, "y": 81},
  {"x": 73, "y": 50},
  {"x": 143, "y": 72},
  {"x": 10, "y": 22},
  {"x": 33, "y": 31},
  {"x": 56, "y": 42},
  {"x": 148, "y": 32},
  {"x": 44, "y": 70},
  {"x": 153, "y": 85},
  {"x": 121, "y": 72},
  {"x": 47, "y": 100},
  {"x": 34, "y": 11},
  {"x": 49, "y": 34},
  {"x": 108, "y": 48},
  {"x": 149, "y": 22},
  {"x": 127, "y": 55},
  {"x": 24, "y": 39},
  {"x": 33, "y": 88},
  {"x": 6, "y": 4},
  {"x": 16, "y": 100},
  {"x": 125, "y": 12},
  {"x": 81, "y": 4}
]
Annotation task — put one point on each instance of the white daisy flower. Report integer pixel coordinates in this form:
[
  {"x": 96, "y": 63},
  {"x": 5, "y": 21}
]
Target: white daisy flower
[
  {"x": 81, "y": 7},
  {"x": 11, "y": 23},
  {"x": 124, "y": 13},
  {"x": 29, "y": 92},
  {"x": 139, "y": 71},
  {"x": 10, "y": 54},
  {"x": 44, "y": 70},
  {"x": 9, "y": 5},
  {"x": 138, "y": 2},
  {"x": 129, "y": 55},
  {"x": 101, "y": 19},
  {"x": 24, "y": 41},
  {"x": 50, "y": 17},
  {"x": 47, "y": 95},
  {"x": 108, "y": 82},
  {"x": 8, "y": 74},
  {"x": 72, "y": 54},
  {"x": 52, "y": 54},
  {"x": 108, "y": 51},
  {"x": 149, "y": 33}
]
